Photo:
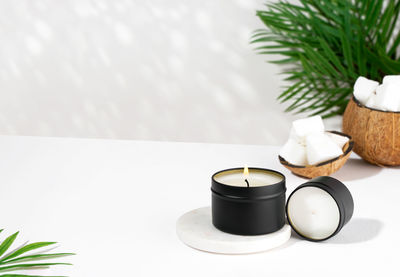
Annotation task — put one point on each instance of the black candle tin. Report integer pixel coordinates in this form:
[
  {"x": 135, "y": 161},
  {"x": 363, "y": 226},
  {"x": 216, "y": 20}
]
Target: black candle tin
[
  {"x": 339, "y": 193},
  {"x": 248, "y": 210}
]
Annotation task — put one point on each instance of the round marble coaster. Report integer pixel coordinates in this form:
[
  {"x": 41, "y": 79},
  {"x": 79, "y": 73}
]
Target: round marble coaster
[{"x": 196, "y": 230}]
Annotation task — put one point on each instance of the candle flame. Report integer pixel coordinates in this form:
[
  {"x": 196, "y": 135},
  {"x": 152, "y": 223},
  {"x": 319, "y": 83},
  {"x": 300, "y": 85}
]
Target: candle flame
[{"x": 245, "y": 171}]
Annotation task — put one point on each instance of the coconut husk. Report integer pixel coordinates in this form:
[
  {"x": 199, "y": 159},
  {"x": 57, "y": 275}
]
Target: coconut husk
[
  {"x": 325, "y": 168},
  {"x": 376, "y": 133}
]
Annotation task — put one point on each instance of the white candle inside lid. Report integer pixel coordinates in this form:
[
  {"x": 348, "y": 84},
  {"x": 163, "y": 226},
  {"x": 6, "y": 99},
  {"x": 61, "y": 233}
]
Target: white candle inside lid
[
  {"x": 313, "y": 213},
  {"x": 255, "y": 177}
]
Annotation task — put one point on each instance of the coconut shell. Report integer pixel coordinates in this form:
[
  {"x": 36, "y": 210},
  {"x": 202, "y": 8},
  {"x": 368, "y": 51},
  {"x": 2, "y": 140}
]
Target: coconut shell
[
  {"x": 322, "y": 169},
  {"x": 376, "y": 133}
]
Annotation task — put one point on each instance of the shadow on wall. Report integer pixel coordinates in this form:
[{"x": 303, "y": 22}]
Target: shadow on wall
[{"x": 180, "y": 71}]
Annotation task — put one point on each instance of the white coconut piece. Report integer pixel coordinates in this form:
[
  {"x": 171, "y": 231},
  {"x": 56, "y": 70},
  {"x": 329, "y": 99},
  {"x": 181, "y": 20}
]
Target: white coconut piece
[
  {"x": 338, "y": 139},
  {"x": 321, "y": 148},
  {"x": 294, "y": 152},
  {"x": 371, "y": 103},
  {"x": 364, "y": 88},
  {"x": 391, "y": 79},
  {"x": 388, "y": 96},
  {"x": 303, "y": 127}
]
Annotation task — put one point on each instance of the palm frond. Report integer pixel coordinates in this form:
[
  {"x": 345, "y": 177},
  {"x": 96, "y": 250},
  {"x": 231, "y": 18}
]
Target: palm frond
[
  {"x": 328, "y": 44},
  {"x": 22, "y": 258}
]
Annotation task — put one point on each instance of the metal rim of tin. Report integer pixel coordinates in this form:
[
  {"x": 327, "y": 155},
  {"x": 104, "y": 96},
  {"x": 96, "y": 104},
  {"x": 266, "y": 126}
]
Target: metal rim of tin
[
  {"x": 344, "y": 216},
  {"x": 249, "y": 193}
]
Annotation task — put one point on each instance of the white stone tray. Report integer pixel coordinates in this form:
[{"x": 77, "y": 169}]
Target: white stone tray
[{"x": 196, "y": 230}]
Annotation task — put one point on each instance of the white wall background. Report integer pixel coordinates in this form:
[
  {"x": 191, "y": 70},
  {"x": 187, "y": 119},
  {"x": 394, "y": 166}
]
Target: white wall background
[{"x": 151, "y": 70}]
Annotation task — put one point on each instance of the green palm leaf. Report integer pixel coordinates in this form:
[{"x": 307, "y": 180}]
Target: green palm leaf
[
  {"x": 7, "y": 243},
  {"x": 20, "y": 259},
  {"x": 24, "y": 275},
  {"x": 328, "y": 44},
  {"x": 25, "y": 249}
]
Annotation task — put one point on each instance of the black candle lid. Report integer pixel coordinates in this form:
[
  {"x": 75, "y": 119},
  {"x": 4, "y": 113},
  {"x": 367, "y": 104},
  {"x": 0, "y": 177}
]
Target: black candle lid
[{"x": 339, "y": 193}]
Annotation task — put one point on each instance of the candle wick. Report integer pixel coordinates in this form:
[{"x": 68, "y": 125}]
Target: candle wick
[{"x": 247, "y": 182}]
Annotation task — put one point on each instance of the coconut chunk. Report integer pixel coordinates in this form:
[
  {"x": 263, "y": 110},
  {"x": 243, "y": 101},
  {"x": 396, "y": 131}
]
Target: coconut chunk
[
  {"x": 294, "y": 153},
  {"x": 391, "y": 79},
  {"x": 371, "y": 103},
  {"x": 388, "y": 96},
  {"x": 338, "y": 139},
  {"x": 321, "y": 148},
  {"x": 364, "y": 88},
  {"x": 303, "y": 127}
]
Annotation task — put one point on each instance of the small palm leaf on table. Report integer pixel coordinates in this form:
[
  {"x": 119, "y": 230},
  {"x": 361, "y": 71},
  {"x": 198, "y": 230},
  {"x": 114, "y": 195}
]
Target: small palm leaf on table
[{"x": 23, "y": 259}]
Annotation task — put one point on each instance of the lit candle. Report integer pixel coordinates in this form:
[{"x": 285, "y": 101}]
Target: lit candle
[
  {"x": 318, "y": 209},
  {"x": 248, "y": 178},
  {"x": 248, "y": 201},
  {"x": 246, "y": 175}
]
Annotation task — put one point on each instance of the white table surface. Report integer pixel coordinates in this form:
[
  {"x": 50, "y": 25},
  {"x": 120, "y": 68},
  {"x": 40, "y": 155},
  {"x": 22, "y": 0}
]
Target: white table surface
[{"x": 115, "y": 203}]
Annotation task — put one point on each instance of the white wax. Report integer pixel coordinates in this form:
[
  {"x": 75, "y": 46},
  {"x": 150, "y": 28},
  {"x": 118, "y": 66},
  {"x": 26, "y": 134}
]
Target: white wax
[
  {"x": 256, "y": 178},
  {"x": 313, "y": 213}
]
